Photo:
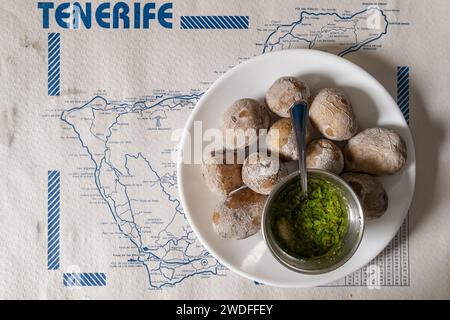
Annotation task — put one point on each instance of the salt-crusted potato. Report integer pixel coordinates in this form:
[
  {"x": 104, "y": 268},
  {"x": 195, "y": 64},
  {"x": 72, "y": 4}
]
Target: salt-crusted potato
[
  {"x": 243, "y": 120},
  {"x": 221, "y": 171},
  {"x": 332, "y": 115},
  {"x": 239, "y": 215},
  {"x": 377, "y": 151},
  {"x": 370, "y": 192},
  {"x": 324, "y": 154},
  {"x": 261, "y": 172},
  {"x": 284, "y": 92},
  {"x": 281, "y": 139}
]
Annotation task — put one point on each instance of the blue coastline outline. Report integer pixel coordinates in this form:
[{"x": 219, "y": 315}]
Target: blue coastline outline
[
  {"x": 143, "y": 251},
  {"x": 351, "y": 49}
]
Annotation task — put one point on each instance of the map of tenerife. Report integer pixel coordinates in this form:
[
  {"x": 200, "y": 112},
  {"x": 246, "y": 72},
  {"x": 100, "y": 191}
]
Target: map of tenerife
[
  {"x": 330, "y": 31},
  {"x": 138, "y": 181},
  {"x": 130, "y": 146}
]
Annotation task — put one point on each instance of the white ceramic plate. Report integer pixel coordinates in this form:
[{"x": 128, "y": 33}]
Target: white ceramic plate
[{"x": 373, "y": 106}]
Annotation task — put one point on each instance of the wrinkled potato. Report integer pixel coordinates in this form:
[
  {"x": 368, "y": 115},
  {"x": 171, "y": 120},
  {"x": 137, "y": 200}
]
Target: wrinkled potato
[
  {"x": 221, "y": 174},
  {"x": 239, "y": 215},
  {"x": 261, "y": 172},
  {"x": 377, "y": 151},
  {"x": 332, "y": 115},
  {"x": 324, "y": 154},
  {"x": 370, "y": 192},
  {"x": 284, "y": 92},
  {"x": 281, "y": 139},
  {"x": 243, "y": 120}
]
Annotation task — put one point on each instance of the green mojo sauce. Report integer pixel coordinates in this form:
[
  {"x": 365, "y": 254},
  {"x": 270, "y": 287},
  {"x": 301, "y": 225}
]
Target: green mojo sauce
[{"x": 308, "y": 228}]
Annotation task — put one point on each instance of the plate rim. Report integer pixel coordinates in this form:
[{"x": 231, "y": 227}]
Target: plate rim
[{"x": 192, "y": 116}]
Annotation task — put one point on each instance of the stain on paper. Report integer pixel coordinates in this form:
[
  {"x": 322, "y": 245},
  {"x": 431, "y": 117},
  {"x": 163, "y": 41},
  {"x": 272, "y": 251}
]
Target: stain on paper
[{"x": 7, "y": 125}]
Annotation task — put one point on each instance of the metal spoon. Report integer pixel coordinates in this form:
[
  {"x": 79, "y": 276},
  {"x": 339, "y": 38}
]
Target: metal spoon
[{"x": 299, "y": 115}]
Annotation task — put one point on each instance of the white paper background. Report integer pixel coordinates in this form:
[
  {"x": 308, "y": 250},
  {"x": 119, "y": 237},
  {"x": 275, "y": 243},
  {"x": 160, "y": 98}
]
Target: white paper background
[{"x": 125, "y": 65}]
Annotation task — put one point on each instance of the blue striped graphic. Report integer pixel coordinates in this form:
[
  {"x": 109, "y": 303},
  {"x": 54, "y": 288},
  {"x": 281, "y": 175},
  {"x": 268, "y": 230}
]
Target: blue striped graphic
[
  {"x": 54, "y": 60},
  {"x": 403, "y": 91},
  {"x": 53, "y": 194},
  {"x": 84, "y": 279},
  {"x": 215, "y": 22}
]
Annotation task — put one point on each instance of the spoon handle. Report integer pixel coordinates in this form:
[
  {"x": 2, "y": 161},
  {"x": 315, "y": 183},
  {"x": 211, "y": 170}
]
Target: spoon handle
[{"x": 299, "y": 114}]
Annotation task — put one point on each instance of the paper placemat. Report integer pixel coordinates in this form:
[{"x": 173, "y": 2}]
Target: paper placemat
[{"x": 92, "y": 95}]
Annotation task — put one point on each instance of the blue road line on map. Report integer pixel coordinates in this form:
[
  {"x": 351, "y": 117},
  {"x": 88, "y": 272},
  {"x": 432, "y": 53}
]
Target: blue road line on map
[
  {"x": 214, "y": 22},
  {"x": 403, "y": 91},
  {"x": 351, "y": 49},
  {"x": 85, "y": 279},
  {"x": 53, "y": 219},
  {"x": 54, "y": 61},
  {"x": 144, "y": 253}
]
